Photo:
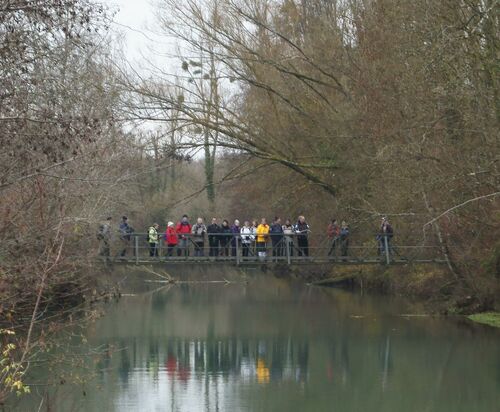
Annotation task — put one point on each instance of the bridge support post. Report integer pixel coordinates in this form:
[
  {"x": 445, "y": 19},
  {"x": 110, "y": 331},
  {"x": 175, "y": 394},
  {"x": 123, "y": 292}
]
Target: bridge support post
[
  {"x": 386, "y": 247},
  {"x": 236, "y": 239},
  {"x": 136, "y": 249}
]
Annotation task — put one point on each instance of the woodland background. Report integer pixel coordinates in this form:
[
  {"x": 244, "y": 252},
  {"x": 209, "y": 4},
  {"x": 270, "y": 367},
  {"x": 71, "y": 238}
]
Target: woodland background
[{"x": 351, "y": 109}]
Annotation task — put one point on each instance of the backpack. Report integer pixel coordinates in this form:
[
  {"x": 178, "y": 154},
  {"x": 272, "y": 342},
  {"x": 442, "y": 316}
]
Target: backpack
[
  {"x": 103, "y": 232},
  {"x": 390, "y": 232},
  {"x": 100, "y": 232},
  {"x": 146, "y": 236}
]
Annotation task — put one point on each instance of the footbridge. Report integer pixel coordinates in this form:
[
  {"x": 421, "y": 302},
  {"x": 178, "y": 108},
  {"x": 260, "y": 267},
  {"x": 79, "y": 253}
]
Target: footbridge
[{"x": 235, "y": 249}]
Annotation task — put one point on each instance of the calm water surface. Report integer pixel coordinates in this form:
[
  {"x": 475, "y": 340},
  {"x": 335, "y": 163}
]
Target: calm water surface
[{"x": 272, "y": 345}]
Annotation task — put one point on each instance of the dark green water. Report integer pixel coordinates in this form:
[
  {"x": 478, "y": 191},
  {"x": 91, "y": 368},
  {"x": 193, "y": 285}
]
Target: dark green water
[{"x": 270, "y": 345}]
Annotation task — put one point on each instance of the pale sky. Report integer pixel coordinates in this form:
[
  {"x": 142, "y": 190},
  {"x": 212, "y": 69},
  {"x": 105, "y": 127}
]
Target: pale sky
[{"x": 136, "y": 20}]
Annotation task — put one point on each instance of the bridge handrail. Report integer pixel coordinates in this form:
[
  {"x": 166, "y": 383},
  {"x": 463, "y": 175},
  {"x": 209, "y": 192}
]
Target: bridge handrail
[
  {"x": 162, "y": 234},
  {"x": 286, "y": 249}
]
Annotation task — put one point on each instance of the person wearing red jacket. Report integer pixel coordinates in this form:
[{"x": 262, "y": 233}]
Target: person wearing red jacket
[
  {"x": 183, "y": 230},
  {"x": 170, "y": 238}
]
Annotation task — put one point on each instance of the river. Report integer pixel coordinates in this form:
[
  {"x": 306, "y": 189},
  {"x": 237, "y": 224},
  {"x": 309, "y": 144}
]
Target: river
[{"x": 271, "y": 344}]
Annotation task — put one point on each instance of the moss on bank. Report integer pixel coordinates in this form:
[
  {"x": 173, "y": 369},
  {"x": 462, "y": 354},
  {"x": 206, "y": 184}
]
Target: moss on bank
[{"x": 487, "y": 318}]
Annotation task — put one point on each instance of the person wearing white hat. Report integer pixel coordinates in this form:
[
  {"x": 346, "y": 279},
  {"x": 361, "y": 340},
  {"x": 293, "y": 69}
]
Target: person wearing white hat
[{"x": 171, "y": 238}]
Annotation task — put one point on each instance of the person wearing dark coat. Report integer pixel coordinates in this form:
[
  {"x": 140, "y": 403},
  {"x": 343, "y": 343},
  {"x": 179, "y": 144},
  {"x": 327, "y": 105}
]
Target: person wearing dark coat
[
  {"x": 125, "y": 235},
  {"x": 302, "y": 230},
  {"x": 276, "y": 232},
  {"x": 235, "y": 240},
  {"x": 386, "y": 234},
  {"x": 213, "y": 231},
  {"x": 225, "y": 238}
]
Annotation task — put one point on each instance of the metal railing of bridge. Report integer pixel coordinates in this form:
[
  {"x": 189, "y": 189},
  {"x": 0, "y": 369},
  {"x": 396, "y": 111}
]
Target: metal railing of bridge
[{"x": 287, "y": 249}]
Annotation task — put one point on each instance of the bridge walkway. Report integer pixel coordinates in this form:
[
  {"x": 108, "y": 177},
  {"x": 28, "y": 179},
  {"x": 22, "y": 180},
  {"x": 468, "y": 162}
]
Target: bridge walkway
[{"x": 284, "y": 252}]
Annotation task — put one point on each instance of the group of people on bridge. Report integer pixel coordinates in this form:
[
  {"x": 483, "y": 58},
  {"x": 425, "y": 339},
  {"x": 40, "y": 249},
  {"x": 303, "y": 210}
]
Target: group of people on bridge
[
  {"x": 226, "y": 240},
  {"x": 252, "y": 239}
]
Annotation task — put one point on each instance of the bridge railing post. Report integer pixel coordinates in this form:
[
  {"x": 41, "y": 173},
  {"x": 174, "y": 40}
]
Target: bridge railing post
[
  {"x": 386, "y": 247},
  {"x": 136, "y": 249},
  {"x": 287, "y": 248}
]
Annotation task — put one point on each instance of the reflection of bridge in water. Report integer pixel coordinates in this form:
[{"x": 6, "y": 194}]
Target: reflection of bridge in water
[{"x": 231, "y": 250}]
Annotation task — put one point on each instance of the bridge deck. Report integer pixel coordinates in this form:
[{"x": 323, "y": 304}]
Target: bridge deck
[
  {"x": 321, "y": 251},
  {"x": 269, "y": 261}
]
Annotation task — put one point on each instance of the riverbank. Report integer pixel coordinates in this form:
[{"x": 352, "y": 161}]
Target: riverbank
[{"x": 434, "y": 285}]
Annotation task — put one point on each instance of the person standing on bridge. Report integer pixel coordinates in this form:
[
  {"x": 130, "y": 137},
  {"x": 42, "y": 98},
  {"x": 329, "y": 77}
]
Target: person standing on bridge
[
  {"x": 262, "y": 236},
  {"x": 333, "y": 232},
  {"x": 213, "y": 231},
  {"x": 199, "y": 229},
  {"x": 302, "y": 230},
  {"x": 344, "y": 239},
  {"x": 288, "y": 232},
  {"x": 125, "y": 235},
  {"x": 235, "y": 241},
  {"x": 247, "y": 237},
  {"x": 253, "y": 246},
  {"x": 171, "y": 238},
  {"x": 385, "y": 236},
  {"x": 225, "y": 238},
  {"x": 183, "y": 230},
  {"x": 104, "y": 236},
  {"x": 276, "y": 232},
  {"x": 153, "y": 240}
]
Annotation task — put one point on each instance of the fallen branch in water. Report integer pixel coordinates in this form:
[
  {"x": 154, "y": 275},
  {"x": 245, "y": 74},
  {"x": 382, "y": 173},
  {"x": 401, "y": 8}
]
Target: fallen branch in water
[
  {"x": 225, "y": 281},
  {"x": 165, "y": 275}
]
